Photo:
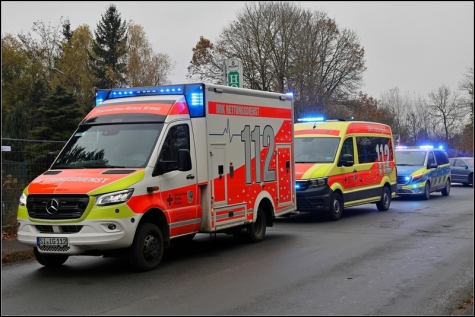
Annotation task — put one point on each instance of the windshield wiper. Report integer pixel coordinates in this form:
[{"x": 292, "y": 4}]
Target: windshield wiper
[
  {"x": 403, "y": 164},
  {"x": 65, "y": 167}
]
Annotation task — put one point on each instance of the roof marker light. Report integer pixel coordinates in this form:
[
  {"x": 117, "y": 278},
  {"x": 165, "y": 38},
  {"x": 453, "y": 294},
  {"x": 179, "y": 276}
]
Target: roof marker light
[{"x": 426, "y": 147}]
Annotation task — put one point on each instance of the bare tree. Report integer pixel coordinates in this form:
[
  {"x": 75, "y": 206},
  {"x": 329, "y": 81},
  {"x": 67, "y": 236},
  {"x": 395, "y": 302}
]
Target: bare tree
[
  {"x": 284, "y": 47},
  {"x": 144, "y": 66},
  {"x": 206, "y": 64},
  {"x": 397, "y": 105},
  {"x": 447, "y": 110},
  {"x": 466, "y": 85}
]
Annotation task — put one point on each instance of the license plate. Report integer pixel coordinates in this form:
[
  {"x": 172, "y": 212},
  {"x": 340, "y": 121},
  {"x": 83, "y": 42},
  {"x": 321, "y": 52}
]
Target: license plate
[{"x": 52, "y": 242}]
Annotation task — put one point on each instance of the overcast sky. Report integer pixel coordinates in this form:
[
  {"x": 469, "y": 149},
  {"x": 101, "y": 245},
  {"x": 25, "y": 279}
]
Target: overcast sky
[{"x": 414, "y": 46}]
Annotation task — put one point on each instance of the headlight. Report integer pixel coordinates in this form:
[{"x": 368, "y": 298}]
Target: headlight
[
  {"x": 23, "y": 200},
  {"x": 317, "y": 182},
  {"x": 417, "y": 177},
  {"x": 114, "y": 198}
]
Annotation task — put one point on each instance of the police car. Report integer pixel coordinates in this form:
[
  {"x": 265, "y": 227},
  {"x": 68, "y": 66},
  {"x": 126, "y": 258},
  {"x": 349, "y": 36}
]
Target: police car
[{"x": 422, "y": 170}]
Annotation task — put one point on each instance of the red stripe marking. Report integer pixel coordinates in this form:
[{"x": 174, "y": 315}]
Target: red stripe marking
[{"x": 229, "y": 109}]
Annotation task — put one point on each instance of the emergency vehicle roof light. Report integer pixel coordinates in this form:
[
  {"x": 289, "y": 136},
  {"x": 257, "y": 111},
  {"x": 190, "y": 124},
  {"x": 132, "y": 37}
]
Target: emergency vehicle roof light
[
  {"x": 194, "y": 95},
  {"x": 104, "y": 94},
  {"x": 311, "y": 119},
  {"x": 426, "y": 147},
  {"x": 401, "y": 147},
  {"x": 441, "y": 147}
]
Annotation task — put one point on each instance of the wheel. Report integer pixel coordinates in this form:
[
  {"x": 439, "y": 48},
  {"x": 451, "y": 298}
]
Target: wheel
[
  {"x": 50, "y": 260},
  {"x": 446, "y": 190},
  {"x": 257, "y": 230},
  {"x": 426, "y": 195},
  {"x": 385, "y": 201},
  {"x": 336, "y": 207},
  {"x": 146, "y": 250},
  {"x": 183, "y": 239},
  {"x": 470, "y": 180}
]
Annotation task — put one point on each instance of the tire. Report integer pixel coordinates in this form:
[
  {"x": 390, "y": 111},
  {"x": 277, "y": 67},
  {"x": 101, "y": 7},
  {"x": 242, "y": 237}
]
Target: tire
[
  {"x": 385, "y": 201},
  {"x": 184, "y": 239},
  {"x": 470, "y": 180},
  {"x": 146, "y": 250},
  {"x": 446, "y": 190},
  {"x": 426, "y": 195},
  {"x": 50, "y": 260},
  {"x": 257, "y": 230},
  {"x": 336, "y": 207}
]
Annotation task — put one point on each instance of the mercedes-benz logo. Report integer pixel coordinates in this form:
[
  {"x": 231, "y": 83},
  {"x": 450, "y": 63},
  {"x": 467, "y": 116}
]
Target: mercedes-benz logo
[{"x": 52, "y": 206}]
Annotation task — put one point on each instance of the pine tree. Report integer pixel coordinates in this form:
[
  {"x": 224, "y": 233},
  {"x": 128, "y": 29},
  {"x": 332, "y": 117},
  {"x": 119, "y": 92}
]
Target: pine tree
[
  {"x": 110, "y": 50},
  {"x": 60, "y": 114}
]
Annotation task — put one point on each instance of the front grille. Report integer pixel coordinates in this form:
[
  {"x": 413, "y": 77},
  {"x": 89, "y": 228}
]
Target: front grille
[
  {"x": 44, "y": 229},
  {"x": 48, "y": 248},
  {"x": 59, "y": 206},
  {"x": 402, "y": 180},
  {"x": 302, "y": 185},
  {"x": 63, "y": 229}
]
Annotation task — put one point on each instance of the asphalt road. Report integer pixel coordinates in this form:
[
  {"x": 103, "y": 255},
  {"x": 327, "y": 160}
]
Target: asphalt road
[{"x": 415, "y": 259}]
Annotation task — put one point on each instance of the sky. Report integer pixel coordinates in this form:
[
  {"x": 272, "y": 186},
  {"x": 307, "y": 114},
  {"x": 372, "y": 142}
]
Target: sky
[{"x": 415, "y": 46}]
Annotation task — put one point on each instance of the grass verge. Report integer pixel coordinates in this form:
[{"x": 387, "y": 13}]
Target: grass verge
[{"x": 17, "y": 256}]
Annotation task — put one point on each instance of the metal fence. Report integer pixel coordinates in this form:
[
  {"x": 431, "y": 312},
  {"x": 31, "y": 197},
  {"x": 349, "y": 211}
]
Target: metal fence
[{"x": 22, "y": 161}]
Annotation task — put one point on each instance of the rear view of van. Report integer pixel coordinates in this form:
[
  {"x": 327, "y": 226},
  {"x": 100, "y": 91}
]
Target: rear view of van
[{"x": 342, "y": 163}]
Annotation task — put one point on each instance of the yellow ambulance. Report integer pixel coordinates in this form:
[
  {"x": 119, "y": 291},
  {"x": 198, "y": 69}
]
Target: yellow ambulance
[{"x": 342, "y": 163}]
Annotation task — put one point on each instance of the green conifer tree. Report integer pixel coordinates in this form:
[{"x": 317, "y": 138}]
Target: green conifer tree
[{"x": 110, "y": 50}]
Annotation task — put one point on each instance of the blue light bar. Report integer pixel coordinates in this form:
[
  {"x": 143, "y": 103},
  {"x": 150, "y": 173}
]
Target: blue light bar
[
  {"x": 311, "y": 119},
  {"x": 441, "y": 147},
  {"x": 102, "y": 95},
  {"x": 426, "y": 147},
  {"x": 194, "y": 95},
  {"x": 401, "y": 147}
]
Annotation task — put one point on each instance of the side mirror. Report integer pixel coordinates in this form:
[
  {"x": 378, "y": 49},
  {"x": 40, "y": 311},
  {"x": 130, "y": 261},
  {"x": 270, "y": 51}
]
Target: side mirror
[
  {"x": 346, "y": 160},
  {"x": 184, "y": 160},
  {"x": 432, "y": 165}
]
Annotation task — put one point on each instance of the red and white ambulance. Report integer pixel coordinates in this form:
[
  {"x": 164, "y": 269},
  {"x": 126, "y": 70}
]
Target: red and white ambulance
[{"x": 151, "y": 164}]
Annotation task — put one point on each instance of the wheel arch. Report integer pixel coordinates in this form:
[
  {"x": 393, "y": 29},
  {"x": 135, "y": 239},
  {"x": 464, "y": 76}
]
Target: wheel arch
[
  {"x": 264, "y": 200},
  {"x": 157, "y": 217}
]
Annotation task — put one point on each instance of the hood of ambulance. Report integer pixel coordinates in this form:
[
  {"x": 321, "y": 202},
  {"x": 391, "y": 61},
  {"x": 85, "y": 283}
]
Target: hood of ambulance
[
  {"x": 85, "y": 181},
  {"x": 409, "y": 170},
  {"x": 311, "y": 170}
]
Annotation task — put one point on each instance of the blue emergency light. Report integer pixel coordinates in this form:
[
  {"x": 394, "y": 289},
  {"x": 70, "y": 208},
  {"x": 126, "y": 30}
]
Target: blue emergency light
[
  {"x": 320, "y": 119},
  {"x": 194, "y": 95}
]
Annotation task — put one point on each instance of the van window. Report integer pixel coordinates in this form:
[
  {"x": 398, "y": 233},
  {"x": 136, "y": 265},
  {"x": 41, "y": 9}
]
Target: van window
[
  {"x": 347, "y": 148},
  {"x": 441, "y": 157},
  {"x": 374, "y": 149},
  {"x": 315, "y": 149},
  {"x": 430, "y": 158},
  {"x": 178, "y": 137}
]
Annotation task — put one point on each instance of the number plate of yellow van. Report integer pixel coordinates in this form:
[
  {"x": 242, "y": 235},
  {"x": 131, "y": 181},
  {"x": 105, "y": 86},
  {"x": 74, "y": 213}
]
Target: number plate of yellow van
[{"x": 52, "y": 242}]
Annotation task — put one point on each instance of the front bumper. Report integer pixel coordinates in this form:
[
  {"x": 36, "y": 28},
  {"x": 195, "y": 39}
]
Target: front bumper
[
  {"x": 82, "y": 236},
  {"x": 314, "y": 199},
  {"x": 411, "y": 189}
]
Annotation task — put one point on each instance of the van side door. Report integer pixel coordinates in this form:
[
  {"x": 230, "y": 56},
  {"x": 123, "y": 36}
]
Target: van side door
[{"x": 178, "y": 189}]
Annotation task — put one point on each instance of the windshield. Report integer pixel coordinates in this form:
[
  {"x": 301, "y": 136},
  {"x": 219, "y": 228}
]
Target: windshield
[
  {"x": 118, "y": 145},
  {"x": 410, "y": 158},
  {"x": 469, "y": 162},
  {"x": 315, "y": 150}
]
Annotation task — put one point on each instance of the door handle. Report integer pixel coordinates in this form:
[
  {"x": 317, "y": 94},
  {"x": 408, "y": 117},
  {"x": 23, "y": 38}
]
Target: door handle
[{"x": 190, "y": 176}]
